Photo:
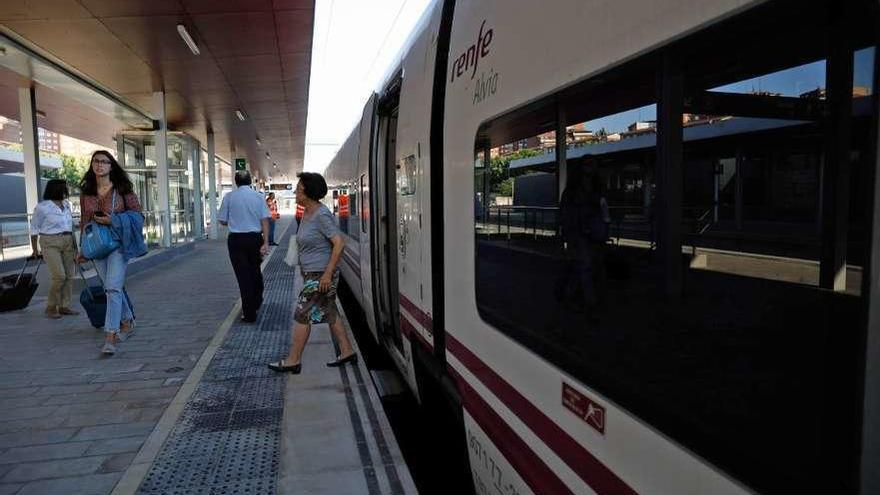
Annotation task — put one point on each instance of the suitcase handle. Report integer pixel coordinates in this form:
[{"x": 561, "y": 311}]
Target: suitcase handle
[
  {"x": 82, "y": 275},
  {"x": 23, "y": 268}
]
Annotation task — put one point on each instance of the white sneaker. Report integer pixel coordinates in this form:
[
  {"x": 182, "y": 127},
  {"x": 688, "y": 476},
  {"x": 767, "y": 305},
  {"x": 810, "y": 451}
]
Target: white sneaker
[
  {"x": 108, "y": 349},
  {"x": 125, "y": 335}
]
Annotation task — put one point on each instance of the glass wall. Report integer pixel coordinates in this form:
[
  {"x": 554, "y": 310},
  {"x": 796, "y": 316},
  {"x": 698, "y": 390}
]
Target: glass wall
[{"x": 138, "y": 157}]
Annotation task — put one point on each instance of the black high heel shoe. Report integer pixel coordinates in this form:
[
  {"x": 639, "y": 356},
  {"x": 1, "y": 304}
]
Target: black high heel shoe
[
  {"x": 280, "y": 367},
  {"x": 351, "y": 358}
]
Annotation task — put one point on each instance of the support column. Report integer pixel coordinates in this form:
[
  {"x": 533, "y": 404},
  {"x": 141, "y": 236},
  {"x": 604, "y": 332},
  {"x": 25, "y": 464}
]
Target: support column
[
  {"x": 670, "y": 105},
  {"x": 198, "y": 196},
  {"x": 487, "y": 187},
  {"x": 561, "y": 152},
  {"x": 120, "y": 151},
  {"x": 738, "y": 191},
  {"x": 836, "y": 172},
  {"x": 716, "y": 200},
  {"x": 163, "y": 208},
  {"x": 213, "y": 231},
  {"x": 30, "y": 140}
]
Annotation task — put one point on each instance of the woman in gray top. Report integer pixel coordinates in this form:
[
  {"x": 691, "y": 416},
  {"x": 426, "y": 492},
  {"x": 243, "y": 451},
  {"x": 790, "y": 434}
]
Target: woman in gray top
[{"x": 320, "y": 247}]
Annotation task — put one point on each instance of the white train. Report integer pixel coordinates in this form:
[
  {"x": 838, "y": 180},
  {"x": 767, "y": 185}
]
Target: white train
[{"x": 721, "y": 339}]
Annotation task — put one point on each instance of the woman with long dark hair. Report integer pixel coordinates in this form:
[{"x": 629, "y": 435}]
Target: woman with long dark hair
[{"x": 106, "y": 190}]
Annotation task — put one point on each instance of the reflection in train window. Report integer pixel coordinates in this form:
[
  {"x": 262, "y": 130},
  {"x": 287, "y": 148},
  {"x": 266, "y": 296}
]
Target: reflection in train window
[
  {"x": 772, "y": 239},
  {"x": 353, "y": 211}
]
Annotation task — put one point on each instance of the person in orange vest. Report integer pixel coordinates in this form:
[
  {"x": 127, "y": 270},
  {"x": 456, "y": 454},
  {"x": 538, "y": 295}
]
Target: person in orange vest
[
  {"x": 299, "y": 212},
  {"x": 343, "y": 212},
  {"x": 272, "y": 203}
]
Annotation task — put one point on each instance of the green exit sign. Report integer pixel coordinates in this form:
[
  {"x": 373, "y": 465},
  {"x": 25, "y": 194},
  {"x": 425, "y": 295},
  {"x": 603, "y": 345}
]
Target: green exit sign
[{"x": 240, "y": 164}]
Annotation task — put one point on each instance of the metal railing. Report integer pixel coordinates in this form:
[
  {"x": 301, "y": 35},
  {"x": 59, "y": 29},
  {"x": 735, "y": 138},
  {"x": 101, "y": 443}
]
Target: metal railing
[
  {"x": 154, "y": 227},
  {"x": 510, "y": 220},
  {"x": 15, "y": 237},
  {"x": 632, "y": 222},
  {"x": 182, "y": 226},
  {"x": 15, "y": 234}
]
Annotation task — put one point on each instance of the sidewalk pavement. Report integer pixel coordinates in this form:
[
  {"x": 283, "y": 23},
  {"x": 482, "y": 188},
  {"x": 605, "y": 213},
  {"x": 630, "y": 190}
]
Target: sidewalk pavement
[
  {"x": 187, "y": 405},
  {"x": 72, "y": 421}
]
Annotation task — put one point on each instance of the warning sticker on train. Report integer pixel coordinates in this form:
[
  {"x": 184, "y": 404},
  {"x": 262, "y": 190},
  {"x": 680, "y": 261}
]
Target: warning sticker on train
[{"x": 584, "y": 407}]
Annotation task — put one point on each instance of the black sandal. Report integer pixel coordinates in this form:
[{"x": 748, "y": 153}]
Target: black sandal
[
  {"x": 351, "y": 358},
  {"x": 282, "y": 368}
]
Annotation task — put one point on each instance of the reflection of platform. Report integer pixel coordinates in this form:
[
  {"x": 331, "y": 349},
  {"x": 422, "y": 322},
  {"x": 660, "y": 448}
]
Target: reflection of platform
[{"x": 725, "y": 367}]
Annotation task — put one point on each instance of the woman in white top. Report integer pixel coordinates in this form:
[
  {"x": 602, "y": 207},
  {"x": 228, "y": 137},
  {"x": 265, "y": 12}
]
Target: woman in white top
[{"x": 52, "y": 221}]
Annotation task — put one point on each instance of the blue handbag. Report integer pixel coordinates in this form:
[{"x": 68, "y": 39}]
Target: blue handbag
[{"x": 97, "y": 240}]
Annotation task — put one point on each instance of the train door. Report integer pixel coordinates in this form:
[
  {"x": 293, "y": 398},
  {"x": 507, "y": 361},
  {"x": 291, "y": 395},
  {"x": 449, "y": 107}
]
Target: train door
[
  {"x": 365, "y": 155},
  {"x": 383, "y": 171}
]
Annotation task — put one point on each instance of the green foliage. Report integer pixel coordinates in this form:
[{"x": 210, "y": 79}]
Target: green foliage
[
  {"x": 499, "y": 171},
  {"x": 12, "y": 146},
  {"x": 72, "y": 170},
  {"x": 506, "y": 187}
]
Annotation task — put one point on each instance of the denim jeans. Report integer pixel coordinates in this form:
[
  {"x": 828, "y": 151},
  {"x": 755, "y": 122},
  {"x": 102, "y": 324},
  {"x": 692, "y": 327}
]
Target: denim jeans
[
  {"x": 112, "y": 272},
  {"x": 271, "y": 231}
]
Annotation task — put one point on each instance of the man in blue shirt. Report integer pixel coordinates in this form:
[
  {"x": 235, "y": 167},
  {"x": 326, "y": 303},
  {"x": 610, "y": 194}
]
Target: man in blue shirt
[{"x": 245, "y": 213}]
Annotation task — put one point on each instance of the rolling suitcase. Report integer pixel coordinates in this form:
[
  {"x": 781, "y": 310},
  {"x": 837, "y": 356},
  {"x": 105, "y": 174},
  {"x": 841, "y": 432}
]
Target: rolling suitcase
[
  {"x": 94, "y": 300},
  {"x": 16, "y": 291}
]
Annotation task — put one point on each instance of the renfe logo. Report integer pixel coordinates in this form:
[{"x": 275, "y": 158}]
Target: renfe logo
[
  {"x": 584, "y": 407},
  {"x": 472, "y": 56}
]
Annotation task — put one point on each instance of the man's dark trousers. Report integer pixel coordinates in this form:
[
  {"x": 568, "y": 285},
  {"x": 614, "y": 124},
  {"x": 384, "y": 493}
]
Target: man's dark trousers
[{"x": 244, "y": 253}]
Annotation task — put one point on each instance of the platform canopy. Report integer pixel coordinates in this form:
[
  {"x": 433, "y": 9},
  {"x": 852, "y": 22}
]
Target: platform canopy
[{"x": 254, "y": 63}]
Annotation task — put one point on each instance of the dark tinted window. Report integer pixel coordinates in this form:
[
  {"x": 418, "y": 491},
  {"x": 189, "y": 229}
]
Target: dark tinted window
[{"x": 753, "y": 361}]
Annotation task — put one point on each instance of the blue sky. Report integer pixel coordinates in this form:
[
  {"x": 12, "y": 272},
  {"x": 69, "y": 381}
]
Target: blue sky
[
  {"x": 789, "y": 82},
  {"x": 355, "y": 42}
]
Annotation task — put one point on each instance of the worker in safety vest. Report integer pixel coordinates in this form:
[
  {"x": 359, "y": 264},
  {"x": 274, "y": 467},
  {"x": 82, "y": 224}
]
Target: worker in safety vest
[{"x": 343, "y": 212}]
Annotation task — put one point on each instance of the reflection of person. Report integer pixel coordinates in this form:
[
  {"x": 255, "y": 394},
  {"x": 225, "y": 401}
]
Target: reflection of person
[
  {"x": 245, "y": 213},
  {"x": 107, "y": 193},
  {"x": 320, "y": 247},
  {"x": 343, "y": 212},
  {"x": 585, "y": 220},
  {"x": 273, "y": 212},
  {"x": 52, "y": 221}
]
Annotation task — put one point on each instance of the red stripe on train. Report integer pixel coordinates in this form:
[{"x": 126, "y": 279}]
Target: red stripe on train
[
  {"x": 421, "y": 317},
  {"x": 601, "y": 479},
  {"x": 540, "y": 478},
  {"x": 408, "y": 329}
]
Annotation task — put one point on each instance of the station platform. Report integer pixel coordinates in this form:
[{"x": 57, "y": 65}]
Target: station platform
[{"x": 187, "y": 404}]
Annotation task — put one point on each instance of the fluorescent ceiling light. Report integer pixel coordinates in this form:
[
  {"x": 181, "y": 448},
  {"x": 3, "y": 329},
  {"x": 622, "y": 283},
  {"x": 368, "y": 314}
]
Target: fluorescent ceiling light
[
  {"x": 267, "y": 155},
  {"x": 240, "y": 115},
  {"x": 259, "y": 143},
  {"x": 188, "y": 39}
]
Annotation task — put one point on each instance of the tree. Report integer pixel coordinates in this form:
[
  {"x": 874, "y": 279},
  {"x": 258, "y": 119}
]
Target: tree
[
  {"x": 72, "y": 170},
  {"x": 499, "y": 171}
]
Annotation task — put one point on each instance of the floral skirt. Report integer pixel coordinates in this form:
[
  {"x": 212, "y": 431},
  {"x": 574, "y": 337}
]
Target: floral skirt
[{"x": 313, "y": 306}]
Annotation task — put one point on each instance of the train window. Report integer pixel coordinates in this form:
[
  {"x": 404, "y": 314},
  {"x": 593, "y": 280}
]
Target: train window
[{"x": 775, "y": 165}]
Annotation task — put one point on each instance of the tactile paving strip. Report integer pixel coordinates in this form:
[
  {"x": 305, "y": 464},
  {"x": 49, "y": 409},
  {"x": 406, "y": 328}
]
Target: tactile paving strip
[{"x": 228, "y": 439}]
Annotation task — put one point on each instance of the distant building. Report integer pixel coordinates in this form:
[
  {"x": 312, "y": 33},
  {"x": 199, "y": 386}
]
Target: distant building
[
  {"x": 816, "y": 94},
  {"x": 642, "y": 126},
  {"x": 10, "y": 133},
  {"x": 49, "y": 141}
]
